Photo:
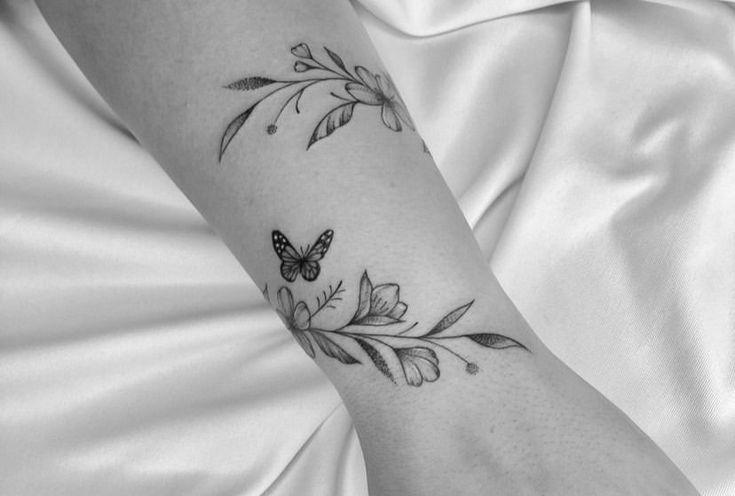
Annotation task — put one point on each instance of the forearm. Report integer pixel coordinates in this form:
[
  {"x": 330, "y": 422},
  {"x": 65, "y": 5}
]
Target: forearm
[
  {"x": 376, "y": 188},
  {"x": 231, "y": 98}
]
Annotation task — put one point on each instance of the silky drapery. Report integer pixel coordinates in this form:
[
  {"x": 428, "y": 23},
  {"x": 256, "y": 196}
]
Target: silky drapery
[{"x": 591, "y": 145}]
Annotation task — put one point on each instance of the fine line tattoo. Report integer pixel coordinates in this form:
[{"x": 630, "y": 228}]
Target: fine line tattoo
[
  {"x": 347, "y": 89},
  {"x": 306, "y": 260},
  {"x": 410, "y": 352}
]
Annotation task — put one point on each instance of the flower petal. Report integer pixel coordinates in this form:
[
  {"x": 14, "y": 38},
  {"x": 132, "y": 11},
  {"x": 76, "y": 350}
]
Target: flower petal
[
  {"x": 390, "y": 118},
  {"x": 398, "y": 311},
  {"x": 385, "y": 86},
  {"x": 362, "y": 94},
  {"x": 411, "y": 373},
  {"x": 402, "y": 113},
  {"x": 285, "y": 301},
  {"x": 303, "y": 340},
  {"x": 423, "y": 353},
  {"x": 383, "y": 299},
  {"x": 302, "y": 67},
  {"x": 363, "y": 302},
  {"x": 367, "y": 78},
  {"x": 419, "y": 364},
  {"x": 301, "y": 316},
  {"x": 301, "y": 50},
  {"x": 428, "y": 369}
]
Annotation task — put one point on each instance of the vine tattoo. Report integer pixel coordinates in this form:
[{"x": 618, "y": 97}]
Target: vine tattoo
[
  {"x": 306, "y": 260},
  {"x": 412, "y": 354},
  {"x": 348, "y": 89}
]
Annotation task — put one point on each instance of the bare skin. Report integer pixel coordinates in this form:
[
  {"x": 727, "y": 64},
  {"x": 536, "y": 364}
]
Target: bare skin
[{"x": 510, "y": 418}]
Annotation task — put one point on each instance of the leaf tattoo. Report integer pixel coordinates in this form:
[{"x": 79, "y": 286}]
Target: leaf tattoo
[
  {"x": 251, "y": 83},
  {"x": 336, "y": 59},
  {"x": 495, "y": 341},
  {"x": 335, "y": 119},
  {"x": 332, "y": 349},
  {"x": 450, "y": 319},
  {"x": 415, "y": 357},
  {"x": 349, "y": 88},
  {"x": 419, "y": 364},
  {"x": 232, "y": 129},
  {"x": 377, "y": 358}
]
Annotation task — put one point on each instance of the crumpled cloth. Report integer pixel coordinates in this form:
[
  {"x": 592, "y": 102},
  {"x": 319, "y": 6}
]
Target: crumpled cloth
[{"x": 591, "y": 145}]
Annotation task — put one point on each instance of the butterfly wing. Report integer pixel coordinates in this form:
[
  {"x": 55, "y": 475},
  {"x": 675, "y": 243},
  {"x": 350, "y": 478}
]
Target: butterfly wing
[
  {"x": 291, "y": 261},
  {"x": 290, "y": 270},
  {"x": 310, "y": 264},
  {"x": 310, "y": 270},
  {"x": 321, "y": 246}
]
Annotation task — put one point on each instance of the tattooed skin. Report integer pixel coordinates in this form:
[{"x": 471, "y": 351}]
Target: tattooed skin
[
  {"x": 377, "y": 332},
  {"x": 348, "y": 89}
]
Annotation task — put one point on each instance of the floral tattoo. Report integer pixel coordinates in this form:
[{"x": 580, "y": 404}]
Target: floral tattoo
[
  {"x": 348, "y": 89},
  {"x": 415, "y": 355}
]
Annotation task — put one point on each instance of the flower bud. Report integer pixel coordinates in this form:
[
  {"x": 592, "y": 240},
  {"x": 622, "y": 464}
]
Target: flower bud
[
  {"x": 472, "y": 368},
  {"x": 301, "y": 50},
  {"x": 301, "y": 67}
]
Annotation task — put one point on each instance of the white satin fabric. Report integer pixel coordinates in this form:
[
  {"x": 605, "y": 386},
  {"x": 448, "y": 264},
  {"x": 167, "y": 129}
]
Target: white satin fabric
[{"x": 591, "y": 146}]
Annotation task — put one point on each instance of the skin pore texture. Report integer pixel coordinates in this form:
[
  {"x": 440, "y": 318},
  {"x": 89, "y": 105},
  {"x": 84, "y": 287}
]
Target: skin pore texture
[{"x": 278, "y": 121}]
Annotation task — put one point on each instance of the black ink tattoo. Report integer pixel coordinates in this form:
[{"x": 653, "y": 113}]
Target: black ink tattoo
[
  {"x": 414, "y": 356},
  {"x": 356, "y": 87},
  {"x": 306, "y": 260}
]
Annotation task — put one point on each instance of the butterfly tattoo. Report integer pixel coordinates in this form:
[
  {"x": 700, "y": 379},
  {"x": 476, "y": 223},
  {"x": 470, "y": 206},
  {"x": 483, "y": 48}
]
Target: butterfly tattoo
[{"x": 306, "y": 260}]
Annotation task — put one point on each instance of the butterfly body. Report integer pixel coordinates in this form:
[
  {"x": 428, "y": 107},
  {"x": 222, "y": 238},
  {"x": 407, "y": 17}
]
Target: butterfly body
[{"x": 305, "y": 261}]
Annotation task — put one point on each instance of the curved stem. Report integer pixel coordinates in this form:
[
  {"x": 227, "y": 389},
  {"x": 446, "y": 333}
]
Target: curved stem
[
  {"x": 328, "y": 299},
  {"x": 325, "y": 68},
  {"x": 371, "y": 338},
  {"x": 490, "y": 331},
  {"x": 429, "y": 340},
  {"x": 356, "y": 335},
  {"x": 288, "y": 100},
  {"x": 341, "y": 332},
  {"x": 298, "y": 99},
  {"x": 376, "y": 337},
  {"x": 335, "y": 95},
  {"x": 407, "y": 329},
  {"x": 286, "y": 84},
  {"x": 300, "y": 92}
]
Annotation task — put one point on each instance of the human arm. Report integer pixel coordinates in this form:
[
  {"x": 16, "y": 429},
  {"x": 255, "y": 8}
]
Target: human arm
[{"x": 522, "y": 416}]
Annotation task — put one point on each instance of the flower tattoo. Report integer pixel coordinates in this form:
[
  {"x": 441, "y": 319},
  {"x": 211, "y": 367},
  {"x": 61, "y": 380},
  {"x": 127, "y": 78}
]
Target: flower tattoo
[
  {"x": 297, "y": 318},
  {"x": 347, "y": 88},
  {"x": 379, "y": 91},
  {"x": 415, "y": 357},
  {"x": 378, "y": 306}
]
